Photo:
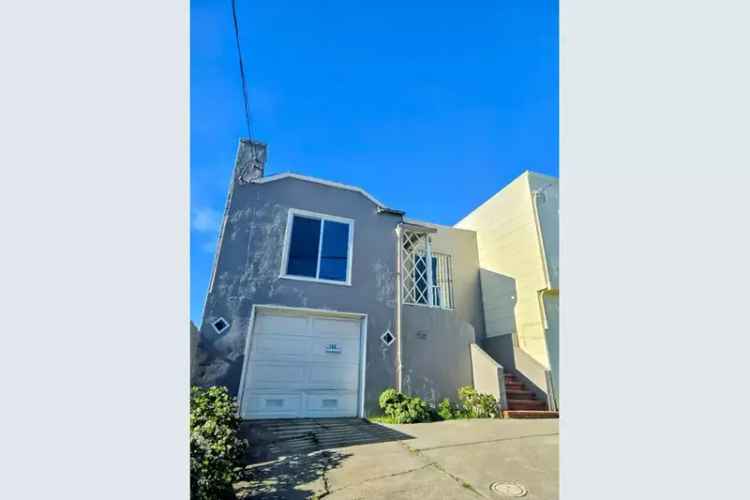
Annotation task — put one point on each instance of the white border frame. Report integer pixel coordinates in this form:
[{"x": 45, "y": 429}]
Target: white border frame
[
  {"x": 388, "y": 332},
  {"x": 222, "y": 332},
  {"x": 318, "y": 312},
  {"x": 322, "y": 217}
]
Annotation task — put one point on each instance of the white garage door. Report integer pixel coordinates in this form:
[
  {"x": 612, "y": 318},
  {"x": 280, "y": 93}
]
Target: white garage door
[{"x": 302, "y": 366}]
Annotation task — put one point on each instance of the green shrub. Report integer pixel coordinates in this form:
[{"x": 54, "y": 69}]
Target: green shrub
[
  {"x": 389, "y": 398},
  {"x": 215, "y": 449},
  {"x": 404, "y": 409},
  {"x": 476, "y": 405},
  {"x": 447, "y": 410}
]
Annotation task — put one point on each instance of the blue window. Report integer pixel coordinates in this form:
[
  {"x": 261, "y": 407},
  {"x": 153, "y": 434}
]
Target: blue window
[
  {"x": 333, "y": 259},
  {"x": 303, "y": 248},
  {"x": 318, "y": 247}
]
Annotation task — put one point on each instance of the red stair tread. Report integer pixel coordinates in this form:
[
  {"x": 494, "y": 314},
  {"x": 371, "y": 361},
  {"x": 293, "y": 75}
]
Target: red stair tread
[{"x": 530, "y": 414}]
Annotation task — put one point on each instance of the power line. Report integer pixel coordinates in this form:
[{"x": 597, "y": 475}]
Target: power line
[{"x": 242, "y": 67}]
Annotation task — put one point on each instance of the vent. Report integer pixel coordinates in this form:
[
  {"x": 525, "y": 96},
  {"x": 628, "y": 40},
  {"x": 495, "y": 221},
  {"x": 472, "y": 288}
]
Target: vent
[
  {"x": 387, "y": 338},
  {"x": 220, "y": 325}
]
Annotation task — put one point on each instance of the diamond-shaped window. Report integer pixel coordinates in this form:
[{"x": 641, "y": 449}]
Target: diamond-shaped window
[
  {"x": 387, "y": 338},
  {"x": 220, "y": 325}
]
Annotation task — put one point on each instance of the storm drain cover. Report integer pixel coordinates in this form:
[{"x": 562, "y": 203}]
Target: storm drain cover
[{"x": 508, "y": 489}]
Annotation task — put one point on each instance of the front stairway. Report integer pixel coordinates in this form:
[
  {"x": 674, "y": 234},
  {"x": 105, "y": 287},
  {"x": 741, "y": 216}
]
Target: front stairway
[{"x": 522, "y": 403}]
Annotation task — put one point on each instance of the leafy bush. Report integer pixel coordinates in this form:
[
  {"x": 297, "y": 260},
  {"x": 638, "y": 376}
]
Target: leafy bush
[
  {"x": 215, "y": 449},
  {"x": 476, "y": 405},
  {"x": 447, "y": 410},
  {"x": 404, "y": 409}
]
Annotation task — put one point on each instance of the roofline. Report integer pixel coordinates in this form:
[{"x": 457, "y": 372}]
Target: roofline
[
  {"x": 411, "y": 226},
  {"x": 289, "y": 175},
  {"x": 433, "y": 225},
  {"x": 523, "y": 175},
  {"x": 544, "y": 176}
]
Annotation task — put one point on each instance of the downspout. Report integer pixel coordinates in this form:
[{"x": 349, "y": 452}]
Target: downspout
[
  {"x": 551, "y": 400},
  {"x": 399, "y": 368},
  {"x": 543, "y": 255},
  {"x": 540, "y": 239}
]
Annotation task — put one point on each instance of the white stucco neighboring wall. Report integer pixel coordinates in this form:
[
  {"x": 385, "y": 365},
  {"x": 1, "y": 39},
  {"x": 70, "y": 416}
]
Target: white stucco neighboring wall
[{"x": 513, "y": 267}]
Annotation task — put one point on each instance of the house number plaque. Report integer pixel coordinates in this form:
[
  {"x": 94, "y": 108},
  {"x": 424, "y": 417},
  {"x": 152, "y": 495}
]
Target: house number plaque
[{"x": 333, "y": 348}]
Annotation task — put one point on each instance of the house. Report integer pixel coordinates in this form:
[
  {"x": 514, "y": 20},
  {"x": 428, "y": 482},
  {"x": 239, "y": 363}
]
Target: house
[
  {"x": 518, "y": 237},
  {"x": 321, "y": 297}
]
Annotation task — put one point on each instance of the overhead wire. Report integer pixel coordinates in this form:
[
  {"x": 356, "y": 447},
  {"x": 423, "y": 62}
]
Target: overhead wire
[{"x": 242, "y": 68}]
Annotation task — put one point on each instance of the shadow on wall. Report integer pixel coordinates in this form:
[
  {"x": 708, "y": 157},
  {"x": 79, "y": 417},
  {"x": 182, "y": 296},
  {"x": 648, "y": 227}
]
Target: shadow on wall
[
  {"x": 500, "y": 298},
  {"x": 218, "y": 359}
]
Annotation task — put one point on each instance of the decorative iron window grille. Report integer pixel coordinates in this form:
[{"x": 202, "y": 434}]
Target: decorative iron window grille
[{"x": 429, "y": 285}]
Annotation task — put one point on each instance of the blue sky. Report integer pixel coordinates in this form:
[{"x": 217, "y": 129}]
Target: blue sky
[{"x": 430, "y": 106}]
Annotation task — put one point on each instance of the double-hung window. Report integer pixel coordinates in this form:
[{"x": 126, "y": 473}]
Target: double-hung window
[{"x": 318, "y": 247}]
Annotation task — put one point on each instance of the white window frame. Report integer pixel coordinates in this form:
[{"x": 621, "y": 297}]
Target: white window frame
[{"x": 322, "y": 217}]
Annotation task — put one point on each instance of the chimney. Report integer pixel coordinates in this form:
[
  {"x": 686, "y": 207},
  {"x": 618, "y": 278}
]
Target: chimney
[{"x": 250, "y": 160}]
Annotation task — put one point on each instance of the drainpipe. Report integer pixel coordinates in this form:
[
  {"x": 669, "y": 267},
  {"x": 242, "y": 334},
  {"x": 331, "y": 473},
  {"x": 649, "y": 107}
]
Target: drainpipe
[
  {"x": 540, "y": 238},
  {"x": 399, "y": 380},
  {"x": 543, "y": 254},
  {"x": 551, "y": 402}
]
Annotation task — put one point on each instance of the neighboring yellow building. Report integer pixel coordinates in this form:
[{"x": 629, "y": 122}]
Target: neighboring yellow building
[{"x": 518, "y": 239}]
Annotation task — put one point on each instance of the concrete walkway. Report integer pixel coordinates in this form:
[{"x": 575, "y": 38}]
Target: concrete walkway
[{"x": 353, "y": 459}]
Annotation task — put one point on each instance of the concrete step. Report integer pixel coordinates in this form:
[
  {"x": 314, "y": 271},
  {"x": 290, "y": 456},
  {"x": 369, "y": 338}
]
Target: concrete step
[
  {"x": 531, "y": 414},
  {"x": 526, "y": 404}
]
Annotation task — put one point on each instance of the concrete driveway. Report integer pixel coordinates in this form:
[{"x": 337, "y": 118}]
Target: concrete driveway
[{"x": 354, "y": 459}]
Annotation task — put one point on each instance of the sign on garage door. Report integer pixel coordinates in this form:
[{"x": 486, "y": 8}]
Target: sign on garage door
[{"x": 302, "y": 365}]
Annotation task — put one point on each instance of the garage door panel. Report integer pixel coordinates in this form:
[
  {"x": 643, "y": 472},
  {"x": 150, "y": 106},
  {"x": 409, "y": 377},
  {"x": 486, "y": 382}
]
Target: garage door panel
[
  {"x": 344, "y": 350},
  {"x": 334, "y": 404},
  {"x": 272, "y": 405},
  {"x": 281, "y": 325},
  {"x": 332, "y": 377},
  {"x": 280, "y": 348},
  {"x": 302, "y": 366},
  {"x": 275, "y": 375},
  {"x": 328, "y": 326}
]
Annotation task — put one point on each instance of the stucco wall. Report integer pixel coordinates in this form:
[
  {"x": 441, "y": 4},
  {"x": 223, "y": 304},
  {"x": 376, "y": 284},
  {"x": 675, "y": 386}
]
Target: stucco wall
[
  {"x": 436, "y": 355},
  {"x": 488, "y": 375},
  {"x": 436, "y": 359},
  {"x": 248, "y": 269},
  {"x": 436, "y": 350},
  {"x": 548, "y": 214},
  {"x": 548, "y": 211},
  {"x": 511, "y": 261},
  {"x": 552, "y": 308}
]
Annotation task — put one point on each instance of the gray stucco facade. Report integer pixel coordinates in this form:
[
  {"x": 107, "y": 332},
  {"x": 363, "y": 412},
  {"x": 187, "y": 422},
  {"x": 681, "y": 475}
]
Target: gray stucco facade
[
  {"x": 435, "y": 343},
  {"x": 437, "y": 358}
]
